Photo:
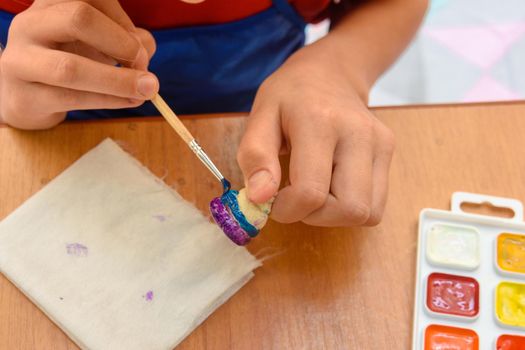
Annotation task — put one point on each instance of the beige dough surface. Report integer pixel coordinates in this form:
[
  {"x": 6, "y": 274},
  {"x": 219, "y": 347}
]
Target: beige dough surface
[{"x": 256, "y": 214}]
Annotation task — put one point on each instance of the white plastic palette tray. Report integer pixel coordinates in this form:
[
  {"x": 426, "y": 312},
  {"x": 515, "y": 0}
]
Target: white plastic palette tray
[{"x": 456, "y": 243}]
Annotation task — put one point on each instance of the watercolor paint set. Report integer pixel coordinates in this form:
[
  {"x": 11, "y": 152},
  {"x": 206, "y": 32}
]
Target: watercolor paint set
[{"x": 470, "y": 279}]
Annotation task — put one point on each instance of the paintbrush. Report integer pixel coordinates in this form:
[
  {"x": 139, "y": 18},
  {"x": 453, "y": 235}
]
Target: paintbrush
[
  {"x": 185, "y": 134},
  {"x": 226, "y": 210}
]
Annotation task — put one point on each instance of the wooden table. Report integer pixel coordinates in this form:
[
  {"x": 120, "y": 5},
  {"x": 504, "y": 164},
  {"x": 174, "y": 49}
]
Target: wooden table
[{"x": 329, "y": 288}]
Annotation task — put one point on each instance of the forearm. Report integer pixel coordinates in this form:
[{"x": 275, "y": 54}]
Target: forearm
[{"x": 367, "y": 40}]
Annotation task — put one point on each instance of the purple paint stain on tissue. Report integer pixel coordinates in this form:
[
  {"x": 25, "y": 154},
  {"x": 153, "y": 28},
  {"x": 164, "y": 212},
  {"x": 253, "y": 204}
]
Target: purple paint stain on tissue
[
  {"x": 77, "y": 249},
  {"x": 149, "y": 296},
  {"x": 161, "y": 218}
]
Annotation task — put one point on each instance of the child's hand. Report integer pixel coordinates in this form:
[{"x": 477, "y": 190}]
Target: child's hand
[
  {"x": 61, "y": 56},
  {"x": 340, "y": 153}
]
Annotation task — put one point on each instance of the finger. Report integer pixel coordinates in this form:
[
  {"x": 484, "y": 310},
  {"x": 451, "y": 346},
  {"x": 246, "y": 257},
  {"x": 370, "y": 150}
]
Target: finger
[
  {"x": 258, "y": 154},
  {"x": 67, "y": 70},
  {"x": 147, "y": 50},
  {"x": 330, "y": 215},
  {"x": 17, "y": 111},
  {"x": 35, "y": 122},
  {"x": 111, "y": 8},
  {"x": 311, "y": 159},
  {"x": 78, "y": 21},
  {"x": 381, "y": 168},
  {"x": 147, "y": 40},
  {"x": 57, "y": 99},
  {"x": 81, "y": 49},
  {"x": 48, "y": 104},
  {"x": 351, "y": 184}
]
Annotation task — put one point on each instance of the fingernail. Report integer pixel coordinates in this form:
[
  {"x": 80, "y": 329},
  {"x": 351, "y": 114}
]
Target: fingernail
[
  {"x": 147, "y": 85},
  {"x": 258, "y": 181}
]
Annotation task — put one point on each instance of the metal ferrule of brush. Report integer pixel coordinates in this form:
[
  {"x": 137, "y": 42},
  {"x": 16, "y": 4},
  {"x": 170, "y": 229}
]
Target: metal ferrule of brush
[{"x": 197, "y": 149}]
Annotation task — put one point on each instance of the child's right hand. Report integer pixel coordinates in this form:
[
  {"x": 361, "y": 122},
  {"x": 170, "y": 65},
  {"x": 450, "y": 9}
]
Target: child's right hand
[{"x": 61, "y": 56}]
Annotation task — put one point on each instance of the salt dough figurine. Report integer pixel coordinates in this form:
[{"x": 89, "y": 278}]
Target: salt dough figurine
[{"x": 238, "y": 217}]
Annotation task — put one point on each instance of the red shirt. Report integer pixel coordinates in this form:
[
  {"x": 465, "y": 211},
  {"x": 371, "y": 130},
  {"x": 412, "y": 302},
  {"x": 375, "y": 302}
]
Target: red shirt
[{"x": 155, "y": 14}]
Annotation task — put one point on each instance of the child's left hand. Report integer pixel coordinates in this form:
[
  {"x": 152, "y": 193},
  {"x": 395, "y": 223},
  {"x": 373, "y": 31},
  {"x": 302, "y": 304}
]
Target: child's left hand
[{"x": 340, "y": 152}]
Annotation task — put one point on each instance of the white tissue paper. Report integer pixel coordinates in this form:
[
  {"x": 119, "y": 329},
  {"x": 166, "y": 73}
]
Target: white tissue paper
[{"x": 116, "y": 258}]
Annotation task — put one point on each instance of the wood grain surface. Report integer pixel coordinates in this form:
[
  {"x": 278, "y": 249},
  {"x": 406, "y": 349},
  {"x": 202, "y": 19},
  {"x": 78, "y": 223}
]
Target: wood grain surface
[{"x": 326, "y": 288}]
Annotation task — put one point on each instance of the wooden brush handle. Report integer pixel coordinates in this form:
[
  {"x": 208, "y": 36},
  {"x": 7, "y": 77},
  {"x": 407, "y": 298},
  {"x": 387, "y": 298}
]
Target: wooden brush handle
[
  {"x": 172, "y": 118},
  {"x": 177, "y": 125}
]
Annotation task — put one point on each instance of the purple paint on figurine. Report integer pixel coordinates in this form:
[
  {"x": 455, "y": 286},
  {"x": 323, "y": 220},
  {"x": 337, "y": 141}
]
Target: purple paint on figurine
[
  {"x": 149, "y": 295},
  {"x": 227, "y": 223},
  {"x": 76, "y": 249}
]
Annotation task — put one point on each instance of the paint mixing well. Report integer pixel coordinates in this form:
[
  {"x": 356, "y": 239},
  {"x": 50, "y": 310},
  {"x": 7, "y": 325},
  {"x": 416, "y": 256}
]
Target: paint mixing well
[{"x": 470, "y": 281}]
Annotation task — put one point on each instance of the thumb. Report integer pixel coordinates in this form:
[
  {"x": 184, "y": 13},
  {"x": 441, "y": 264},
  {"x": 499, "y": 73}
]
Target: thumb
[{"x": 258, "y": 156}]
